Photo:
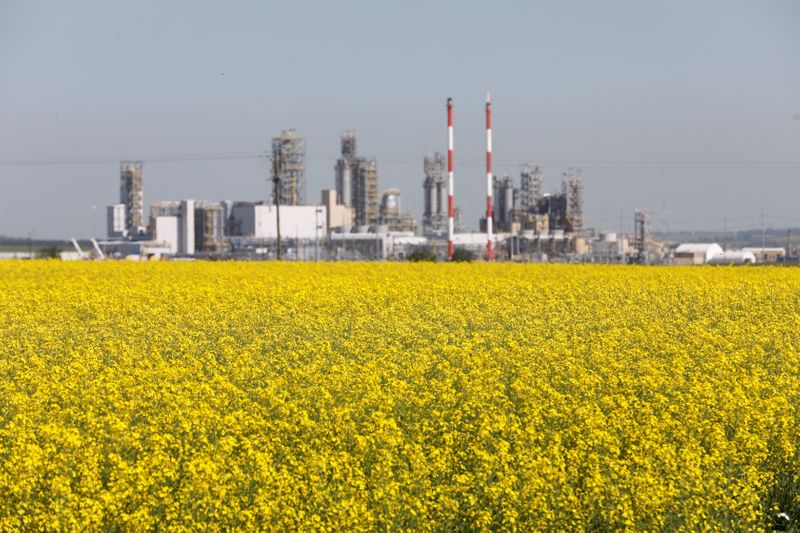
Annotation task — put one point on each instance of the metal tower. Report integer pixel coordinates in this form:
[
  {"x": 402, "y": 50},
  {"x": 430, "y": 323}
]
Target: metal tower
[
  {"x": 642, "y": 234},
  {"x": 365, "y": 191},
  {"x": 131, "y": 193},
  {"x": 344, "y": 169},
  {"x": 289, "y": 151},
  {"x": 572, "y": 188},
  {"x": 434, "y": 217},
  {"x": 530, "y": 185}
]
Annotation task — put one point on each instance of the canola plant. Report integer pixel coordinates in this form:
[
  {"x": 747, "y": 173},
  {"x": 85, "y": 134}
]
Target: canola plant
[{"x": 397, "y": 396}]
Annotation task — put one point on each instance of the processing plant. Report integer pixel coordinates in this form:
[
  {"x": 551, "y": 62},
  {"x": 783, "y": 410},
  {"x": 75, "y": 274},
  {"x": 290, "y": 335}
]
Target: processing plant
[
  {"x": 288, "y": 156},
  {"x": 355, "y": 221}
]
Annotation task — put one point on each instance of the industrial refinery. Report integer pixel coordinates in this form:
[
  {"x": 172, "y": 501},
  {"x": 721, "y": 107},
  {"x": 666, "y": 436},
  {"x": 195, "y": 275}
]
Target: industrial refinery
[{"x": 529, "y": 218}]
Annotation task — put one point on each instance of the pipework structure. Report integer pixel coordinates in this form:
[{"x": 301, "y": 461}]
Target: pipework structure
[
  {"x": 504, "y": 208},
  {"x": 209, "y": 226},
  {"x": 344, "y": 168},
  {"x": 530, "y": 185},
  {"x": 391, "y": 215},
  {"x": 434, "y": 220},
  {"x": 289, "y": 150},
  {"x": 450, "y": 222},
  {"x": 357, "y": 182},
  {"x": 642, "y": 234},
  {"x": 365, "y": 191},
  {"x": 489, "y": 184},
  {"x": 131, "y": 195},
  {"x": 572, "y": 189}
]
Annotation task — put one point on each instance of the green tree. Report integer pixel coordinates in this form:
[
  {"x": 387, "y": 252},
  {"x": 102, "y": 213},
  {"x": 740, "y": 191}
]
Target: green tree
[
  {"x": 422, "y": 254},
  {"x": 50, "y": 252},
  {"x": 462, "y": 255}
]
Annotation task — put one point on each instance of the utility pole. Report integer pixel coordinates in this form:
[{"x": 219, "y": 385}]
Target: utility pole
[
  {"x": 94, "y": 215},
  {"x": 724, "y": 232},
  {"x": 789, "y": 243},
  {"x": 276, "y": 180},
  {"x": 316, "y": 234},
  {"x": 763, "y": 233}
]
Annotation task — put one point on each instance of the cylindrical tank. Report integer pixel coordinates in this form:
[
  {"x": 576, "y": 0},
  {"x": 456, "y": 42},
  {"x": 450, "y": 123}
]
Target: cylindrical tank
[
  {"x": 508, "y": 204},
  {"x": 347, "y": 180},
  {"x": 390, "y": 201},
  {"x": 733, "y": 257}
]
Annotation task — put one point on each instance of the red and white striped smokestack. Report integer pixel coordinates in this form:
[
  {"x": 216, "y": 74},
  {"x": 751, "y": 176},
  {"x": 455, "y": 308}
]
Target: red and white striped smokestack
[
  {"x": 488, "y": 177},
  {"x": 450, "y": 224}
]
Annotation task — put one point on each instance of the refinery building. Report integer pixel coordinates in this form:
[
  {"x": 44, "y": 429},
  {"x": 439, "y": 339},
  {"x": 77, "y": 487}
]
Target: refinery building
[{"x": 356, "y": 220}]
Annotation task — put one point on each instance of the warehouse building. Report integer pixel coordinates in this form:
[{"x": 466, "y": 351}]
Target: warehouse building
[
  {"x": 259, "y": 221},
  {"x": 767, "y": 255},
  {"x": 696, "y": 253},
  {"x": 733, "y": 257}
]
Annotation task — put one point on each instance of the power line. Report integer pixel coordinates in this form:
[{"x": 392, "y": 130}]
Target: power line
[
  {"x": 116, "y": 160},
  {"x": 388, "y": 158}
]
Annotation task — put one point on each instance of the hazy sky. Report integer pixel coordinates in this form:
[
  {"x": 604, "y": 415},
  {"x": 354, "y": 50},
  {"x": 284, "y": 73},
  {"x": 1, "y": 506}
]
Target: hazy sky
[{"x": 691, "y": 105}]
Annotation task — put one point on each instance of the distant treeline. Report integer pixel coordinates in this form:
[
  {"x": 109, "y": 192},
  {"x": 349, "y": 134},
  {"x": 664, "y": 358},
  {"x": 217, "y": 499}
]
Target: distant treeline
[
  {"x": 738, "y": 239},
  {"x": 25, "y": 244}
]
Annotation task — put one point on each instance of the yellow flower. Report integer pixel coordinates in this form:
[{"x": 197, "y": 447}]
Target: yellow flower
[{"x": 269, "y": 396}]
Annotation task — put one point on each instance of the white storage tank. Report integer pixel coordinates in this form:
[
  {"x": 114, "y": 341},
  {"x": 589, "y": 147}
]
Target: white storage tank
[{"x": 733, "y": 257}]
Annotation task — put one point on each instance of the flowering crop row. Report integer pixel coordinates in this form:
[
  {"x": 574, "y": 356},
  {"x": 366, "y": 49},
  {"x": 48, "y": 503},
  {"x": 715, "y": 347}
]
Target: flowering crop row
[{"x": 395, "y": 396}]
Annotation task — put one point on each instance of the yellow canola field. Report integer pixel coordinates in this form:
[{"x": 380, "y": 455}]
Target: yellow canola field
[{"x": 390, "y": 396}]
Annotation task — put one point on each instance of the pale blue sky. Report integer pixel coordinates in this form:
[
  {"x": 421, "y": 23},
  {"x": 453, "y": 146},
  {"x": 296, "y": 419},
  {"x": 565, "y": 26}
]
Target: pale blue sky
[{"x": 636, "y": 92}]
